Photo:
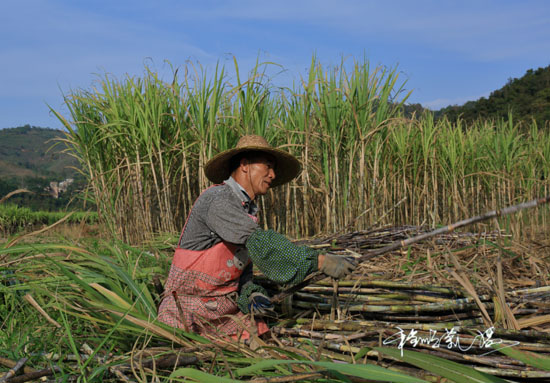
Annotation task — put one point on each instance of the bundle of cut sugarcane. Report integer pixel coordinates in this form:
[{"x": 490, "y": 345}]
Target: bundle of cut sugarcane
[
  {"x": 406, "y": 302},
  {"x": 469, "y": 344},
  {"x": 450, "y": 328},
  {"x": 382, "y": 289},
  {"x": 408, "y": 242},
  {"x": 365, "y": 240},
  {"x": 451, "y": 297}
]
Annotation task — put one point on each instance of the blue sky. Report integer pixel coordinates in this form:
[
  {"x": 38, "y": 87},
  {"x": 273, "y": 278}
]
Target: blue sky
[{"x": 448, "y": 51}]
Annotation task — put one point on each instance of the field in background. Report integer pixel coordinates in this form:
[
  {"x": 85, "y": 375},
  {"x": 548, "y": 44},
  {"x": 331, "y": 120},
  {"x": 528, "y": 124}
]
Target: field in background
[
  {"x": 142, "y": 143},
  {"x": 14, "y": 219}
]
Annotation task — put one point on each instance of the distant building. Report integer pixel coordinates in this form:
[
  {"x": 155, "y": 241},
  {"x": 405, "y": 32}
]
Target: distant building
[{"x": 59, "y": 187}]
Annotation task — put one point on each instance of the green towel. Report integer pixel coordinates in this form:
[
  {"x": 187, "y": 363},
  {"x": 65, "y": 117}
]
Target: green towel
[{"x": 279, "y": 259}]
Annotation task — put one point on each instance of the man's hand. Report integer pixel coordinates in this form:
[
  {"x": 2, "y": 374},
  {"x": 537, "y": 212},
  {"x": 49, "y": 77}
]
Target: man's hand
[
  {"x": 337, "y": 266},
  {"x": 261, "y": 306}
]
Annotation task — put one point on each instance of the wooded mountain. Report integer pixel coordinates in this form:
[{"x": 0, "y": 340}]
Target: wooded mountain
[
  {"x": 527, "y": 98},
  {"x": 30, "y": 151},
  {"x": 31, "y": 158}
]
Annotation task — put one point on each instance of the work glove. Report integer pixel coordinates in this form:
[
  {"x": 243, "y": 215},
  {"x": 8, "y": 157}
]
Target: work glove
[
  {"x": 260, "y": 306},
  {"x": 338, "y": 266}
]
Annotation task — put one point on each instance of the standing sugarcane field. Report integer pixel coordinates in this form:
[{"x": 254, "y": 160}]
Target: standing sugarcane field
[{"x": 443, "y": 221}]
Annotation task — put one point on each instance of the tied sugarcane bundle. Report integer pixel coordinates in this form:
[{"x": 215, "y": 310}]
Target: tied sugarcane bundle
[{"x": 315, "y": 277}]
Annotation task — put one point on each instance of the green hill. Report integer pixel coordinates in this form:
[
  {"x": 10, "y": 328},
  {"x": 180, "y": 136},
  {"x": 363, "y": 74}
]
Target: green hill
[
  {"x": 527, "y": 98},
  {"x": 32, "y": 152},
  {"x": 31, "y": 158}
]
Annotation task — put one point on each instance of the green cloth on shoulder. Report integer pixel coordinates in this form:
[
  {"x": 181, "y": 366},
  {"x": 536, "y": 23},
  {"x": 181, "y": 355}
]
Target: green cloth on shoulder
[{"x": 279, "y": 259}]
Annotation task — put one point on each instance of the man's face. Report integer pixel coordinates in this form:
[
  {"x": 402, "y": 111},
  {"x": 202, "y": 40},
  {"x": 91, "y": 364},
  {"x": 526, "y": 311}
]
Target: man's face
[{"x": 261, "y": 171}]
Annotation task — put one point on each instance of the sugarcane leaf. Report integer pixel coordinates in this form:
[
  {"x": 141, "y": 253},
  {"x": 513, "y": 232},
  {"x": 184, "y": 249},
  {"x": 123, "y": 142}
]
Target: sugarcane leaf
[
  {"x": 529, "y": 358},
  {"x": 358, "y": 370},
  {"x": 369, "y": 371},
  {"x": 262, "y": 365},
  {"x": 78, "y": 280},
  {"x": 340, "y": 376},
  {"x": 113, "y": 297},
  {"x": 103, "y": 341},
  {"x": 150, "y": 326},
  {"x": 200, "y": 376},
  {"x": 362, "y": 352},
  {"x": 290, "y": 354},
  {"x": 442, "y": 367},
  {"x": 501, "y": 248},
  {"x": 147, "y": 304}
]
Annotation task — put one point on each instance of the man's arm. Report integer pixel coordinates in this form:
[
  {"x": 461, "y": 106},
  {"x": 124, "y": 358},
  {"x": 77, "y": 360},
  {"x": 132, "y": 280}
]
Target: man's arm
[{"x": 279, "y": 259}]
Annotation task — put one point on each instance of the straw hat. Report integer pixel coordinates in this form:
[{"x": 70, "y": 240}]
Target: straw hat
[{"x": 286, "y": 168}]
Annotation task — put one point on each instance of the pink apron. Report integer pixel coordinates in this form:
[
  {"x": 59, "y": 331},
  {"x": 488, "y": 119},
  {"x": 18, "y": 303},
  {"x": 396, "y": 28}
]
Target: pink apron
[{"x": 205, "y": 285}]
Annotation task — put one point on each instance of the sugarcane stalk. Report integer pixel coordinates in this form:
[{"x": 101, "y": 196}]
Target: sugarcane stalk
[
  {"x": 388, "y": 299},
  {"x": 528, "y": 291},
  {"x": 20, "y": 363},
  {"x": 533, "y": 321},
  {"x": 514, "y": 373},
  {"x": 35, "y": 375},
  {"x": 348, "y": 298},
  {"x": 121, "y": 377},
  {"x": 349, "y": 325},
  {"x": 447, "y": 229},
  {"x": 336, "y": 355},
  {"x": 12, "y": 363},
  {"x": 332, "y": 346},
  {"x": 463, "y": 306},
  {"x": 465, "y": 318},
  {"x": 500, "y": 362},
  {"x": 335, "y": 304},
  {"x": 395, "y": 285},
  {"x": 468, "y": 335},
  {"x": 467, "y": 342},
  {"x": 312, "y": 294},
  {"x": 170, "y": 361},
  {"x": 364, "y": 294},
  {"x": 524, "y": 336},
  {"x": 322, "y": 335},
  {"x": 317, "y": 276},
  {"x": 446, "y": 305}
]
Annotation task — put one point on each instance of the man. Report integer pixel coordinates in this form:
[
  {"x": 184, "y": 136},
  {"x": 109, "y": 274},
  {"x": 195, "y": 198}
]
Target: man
[{"x": 209, "y": 289}]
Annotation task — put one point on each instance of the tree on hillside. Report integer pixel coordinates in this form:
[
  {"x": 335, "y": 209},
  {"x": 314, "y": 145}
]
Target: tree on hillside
[{"x": 527, "y": 98}]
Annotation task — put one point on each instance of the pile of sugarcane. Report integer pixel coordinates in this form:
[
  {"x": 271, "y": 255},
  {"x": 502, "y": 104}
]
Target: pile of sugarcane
[{"x": 453, "y": 297}]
